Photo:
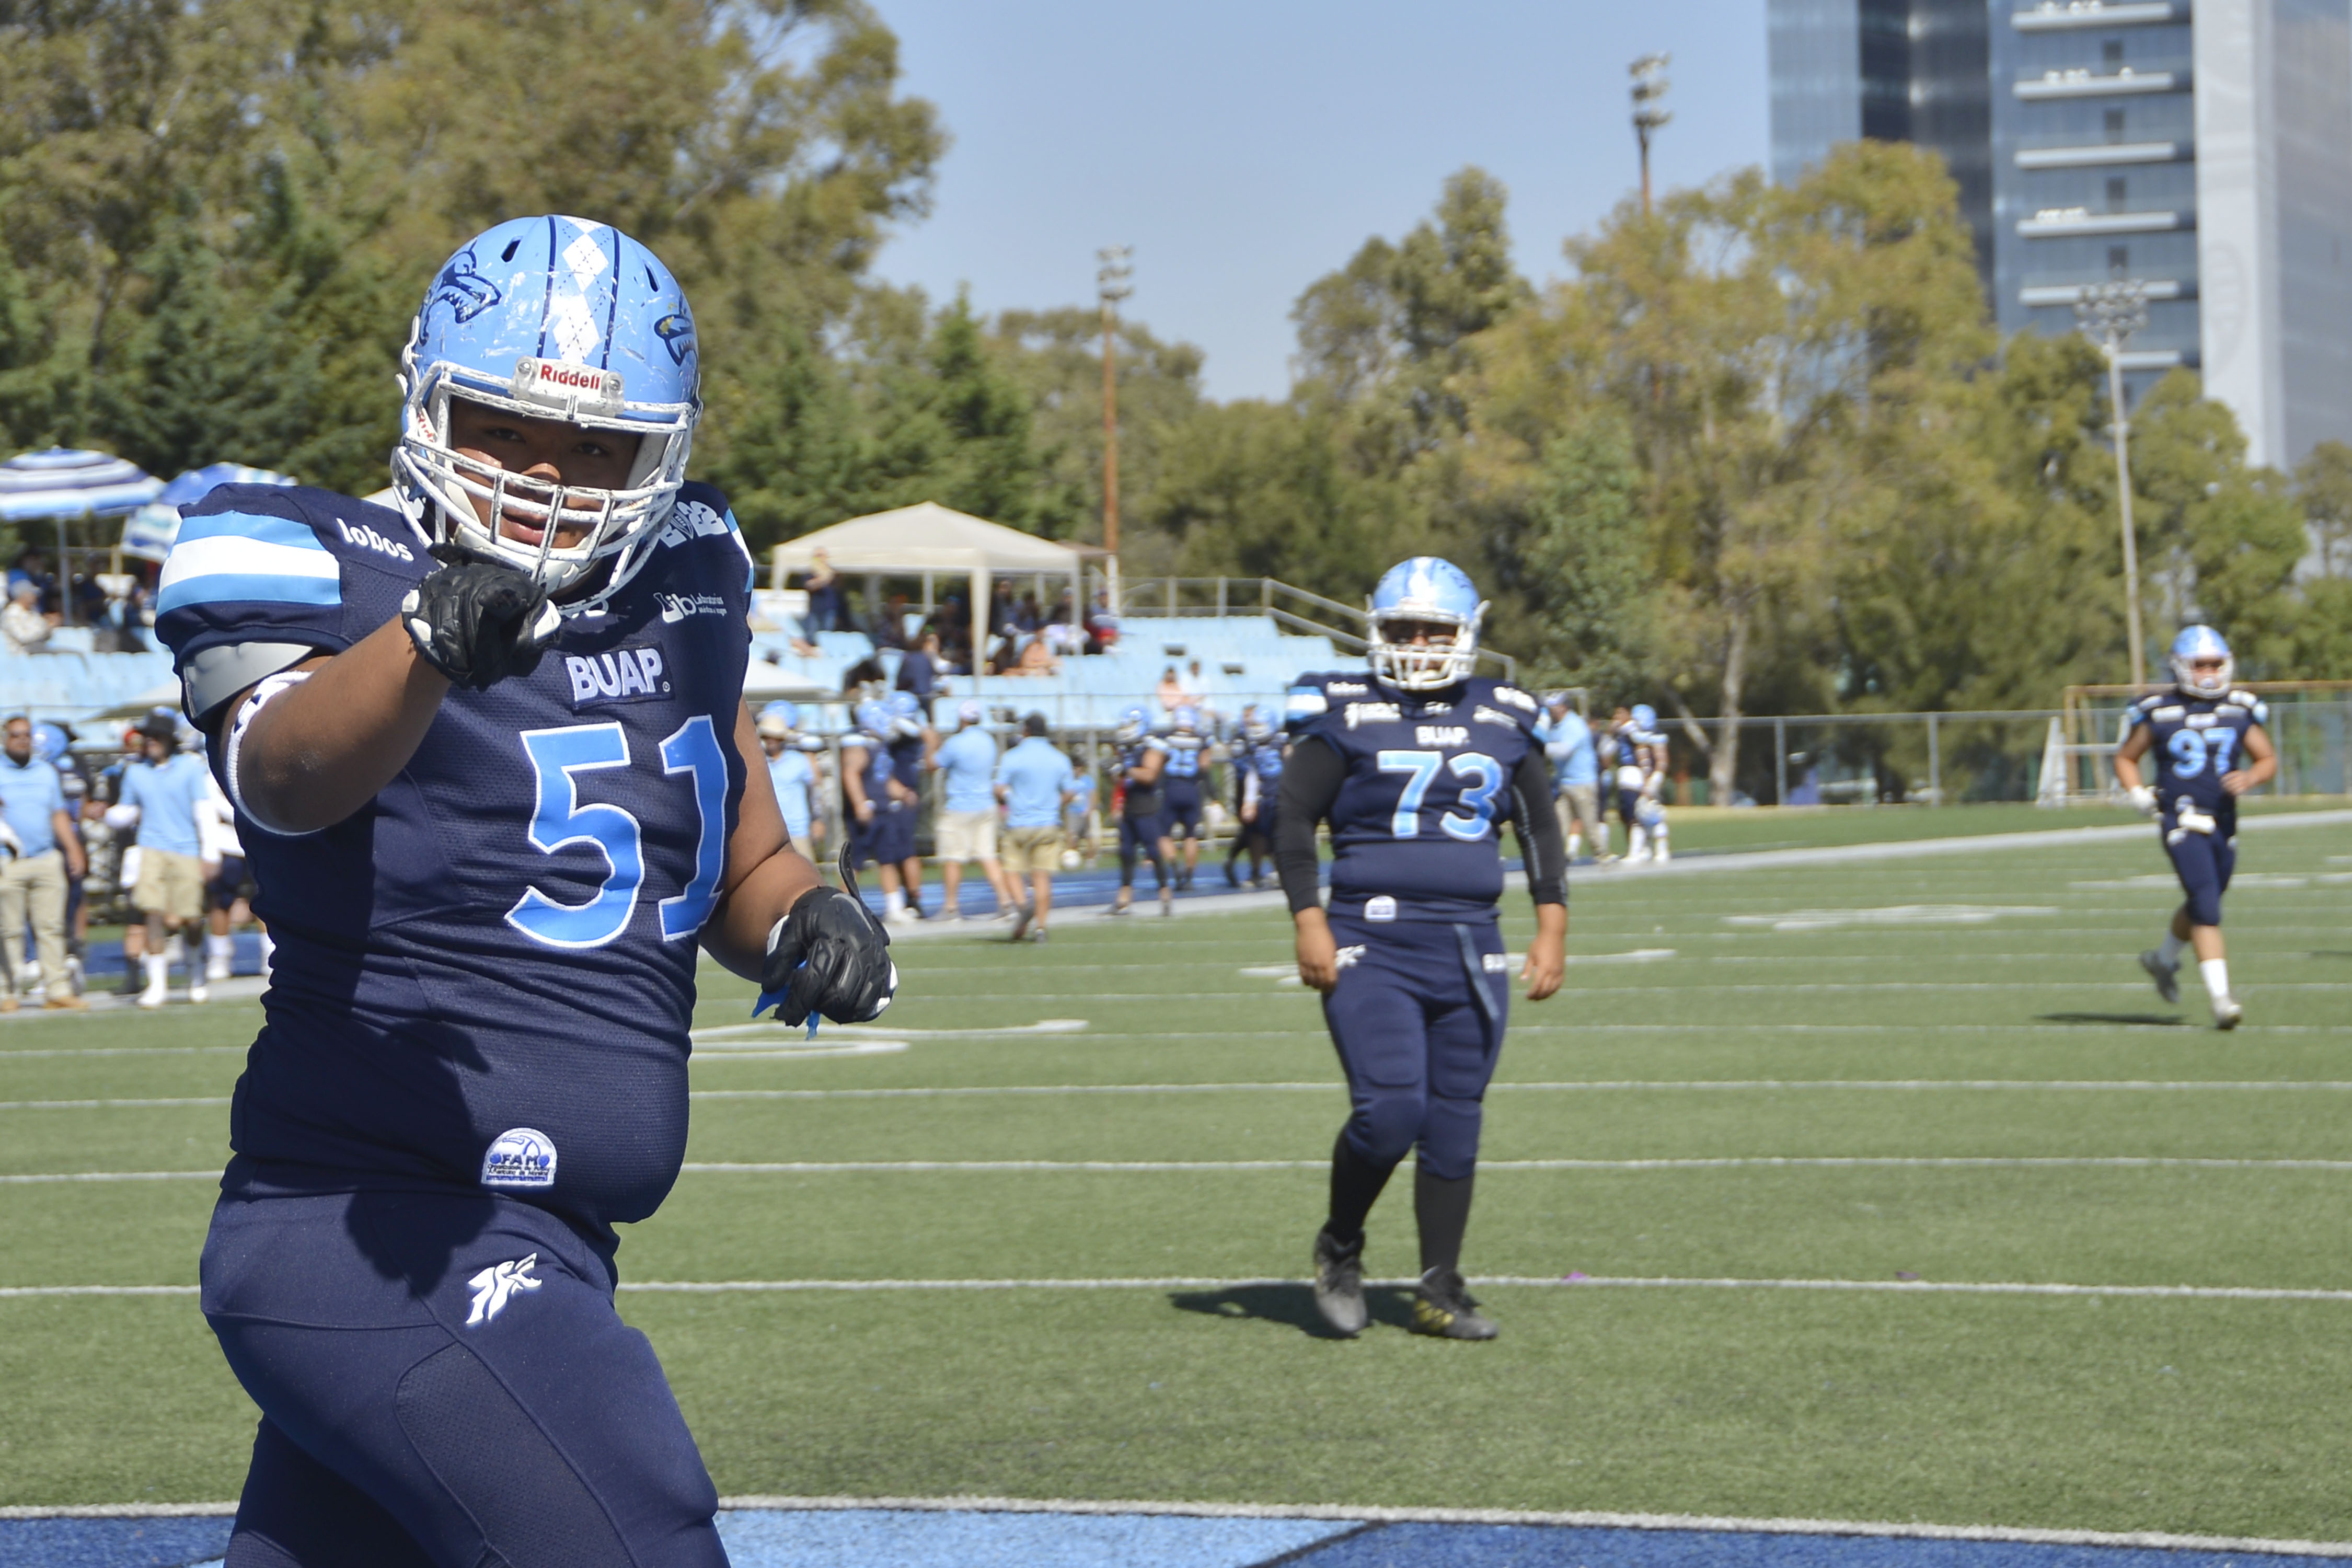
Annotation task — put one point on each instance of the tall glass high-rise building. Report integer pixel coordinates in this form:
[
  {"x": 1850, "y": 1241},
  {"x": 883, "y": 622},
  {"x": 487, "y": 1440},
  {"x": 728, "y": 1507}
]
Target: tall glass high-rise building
[{"x": 2202, "y": 147}]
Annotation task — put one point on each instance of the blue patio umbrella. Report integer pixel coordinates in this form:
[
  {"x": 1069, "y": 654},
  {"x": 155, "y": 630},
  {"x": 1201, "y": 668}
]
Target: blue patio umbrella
[
  {"x": 64, "y": 483},
  {"x": 148, "y": 533}
]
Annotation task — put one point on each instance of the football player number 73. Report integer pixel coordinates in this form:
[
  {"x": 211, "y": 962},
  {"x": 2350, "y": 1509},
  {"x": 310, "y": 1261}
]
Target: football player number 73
[
  {"x": 1420, "y": 768},
  {"x": 559, "y": 820}
]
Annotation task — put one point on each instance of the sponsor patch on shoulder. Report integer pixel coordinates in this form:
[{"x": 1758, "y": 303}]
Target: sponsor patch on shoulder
[
  {"x": 520, "y": 1157},
  {"x": 629, "y": 674},
  {"x": 1483, "y": 714},
  {"x": 1345, "y": 688},
  {"x": 1515, "y": 698},
  {"x": 1372, "y": 713},
  {"x": 2168, "y": 715}
]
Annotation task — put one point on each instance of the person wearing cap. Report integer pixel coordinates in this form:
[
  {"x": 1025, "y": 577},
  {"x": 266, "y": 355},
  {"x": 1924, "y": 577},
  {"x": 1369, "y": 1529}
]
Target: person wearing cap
[
  {"x": 791, "y": 771},
  {"x": 966, "y": 821},
  {"x": 1035, "y": 781},
  {"x": 163, "y": 792},
  {"x": 47, "y": 852},
  {"x": 1567, "y": 741}
]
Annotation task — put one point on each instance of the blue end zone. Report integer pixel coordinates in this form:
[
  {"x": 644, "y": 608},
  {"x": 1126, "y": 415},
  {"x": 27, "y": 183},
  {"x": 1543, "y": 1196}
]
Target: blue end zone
[{"x": 924, "y": 1538}]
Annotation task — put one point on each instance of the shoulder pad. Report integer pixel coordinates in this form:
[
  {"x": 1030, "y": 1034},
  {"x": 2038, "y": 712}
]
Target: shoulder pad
[{"x": 702, "y": 513}]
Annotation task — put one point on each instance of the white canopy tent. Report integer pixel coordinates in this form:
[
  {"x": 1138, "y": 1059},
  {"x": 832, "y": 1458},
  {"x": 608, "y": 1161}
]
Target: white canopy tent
[{"x": 929, "y": 540}]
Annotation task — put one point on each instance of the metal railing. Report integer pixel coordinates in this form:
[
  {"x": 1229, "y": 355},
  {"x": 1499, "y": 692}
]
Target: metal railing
[
  {"x": 2310, "y": 722},
  {"x": 1293, "y": 609}
]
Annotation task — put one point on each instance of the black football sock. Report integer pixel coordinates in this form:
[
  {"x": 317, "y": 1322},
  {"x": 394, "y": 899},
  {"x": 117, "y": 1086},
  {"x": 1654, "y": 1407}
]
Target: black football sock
[
  {"x": 1356, "y": 1185},
  {"x": 1443, "y": 1209}
]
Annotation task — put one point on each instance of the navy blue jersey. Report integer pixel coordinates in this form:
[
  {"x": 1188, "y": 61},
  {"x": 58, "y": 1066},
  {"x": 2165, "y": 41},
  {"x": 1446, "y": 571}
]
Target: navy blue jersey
[
  {"x": 484, "y": 977},
  {"x": 1264, "y": 759},
  {"x": 878, "y": 771},
  {"x": 1185, "y": 750},
  {"x": 1131, "y": 755},
  {"x": 2197, "y": 738},
  {"x": 1413, "y": 832},
  {"x": 906, "y": 760}
]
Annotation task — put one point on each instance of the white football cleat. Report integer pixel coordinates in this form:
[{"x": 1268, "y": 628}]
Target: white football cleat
[
  {"x": 216, "y": 968},
  {"x": 151, "y": 997},
  {"x": 2227, "y": 1013}
]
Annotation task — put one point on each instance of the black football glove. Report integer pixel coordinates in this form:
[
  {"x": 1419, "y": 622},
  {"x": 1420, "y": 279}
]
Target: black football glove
[
  {"x": 828, "y": 956},
  {"x": 478, "y": 622}
]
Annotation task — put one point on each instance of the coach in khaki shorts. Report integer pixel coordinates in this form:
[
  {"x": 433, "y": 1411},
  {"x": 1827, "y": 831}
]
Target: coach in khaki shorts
[
  {"x": 1034, "y": 779},
  {"x": 966, "y": 826},
  {"x": 165, "y": 788},
  {"x": 33, "y": 804}
]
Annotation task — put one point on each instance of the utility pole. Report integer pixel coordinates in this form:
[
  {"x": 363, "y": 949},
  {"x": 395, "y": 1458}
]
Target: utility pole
[
  {"x": 2109, "y": 313},
  {"x": 1650, "y": 86},
  {"x": 1111, "y": 286}
]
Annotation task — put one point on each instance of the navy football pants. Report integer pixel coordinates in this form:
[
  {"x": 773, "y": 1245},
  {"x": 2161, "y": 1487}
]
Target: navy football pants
[
  {"x": 1417, "y": 1043},
  {"x": 1140, "y": 837},
  {"x": 415, "y": 1418},
  {"x": 2204, "y": 861},
  {"x": 1180, "y": 816}
]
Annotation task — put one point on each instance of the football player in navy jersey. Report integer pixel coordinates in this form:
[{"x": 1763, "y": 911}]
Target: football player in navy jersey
[
  {"x": 496, "y": 784},
  {"x": 878, "y": 808},
  {"x": 2210, "y": 748},
  {"x": 1142, "y": 759},
  {"x": 1415, "y": 776},
  {"x": 1257, "y": 770},
  {"x": 1181, "y": 810},
  {"x": 910, "y": 740}
]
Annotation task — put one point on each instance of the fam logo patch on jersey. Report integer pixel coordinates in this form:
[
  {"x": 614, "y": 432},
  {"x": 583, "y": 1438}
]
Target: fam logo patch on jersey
[
  {"x": 675, "y": 607},
  {"x": 494, "y": 1287},
  {"x": 1495, "y": 963},
  {"x": 1441, "y": 736},
  {"x": 692, "y": 519},
  {"x": 367, "y": 538},
  {"x": 1372, "y": 713},
  {"x": 520, "y": 1157},
  {"x": 1345, "y": 688},
  {"x": 622, "y": 675},
  {"x": 1483, "y": 714},
  {"x": 1379, "y": 908}
]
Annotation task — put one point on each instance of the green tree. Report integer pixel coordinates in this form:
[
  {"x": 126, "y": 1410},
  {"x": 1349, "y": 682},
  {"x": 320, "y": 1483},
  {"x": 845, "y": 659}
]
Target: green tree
[{"x": 1589, "y": 552}]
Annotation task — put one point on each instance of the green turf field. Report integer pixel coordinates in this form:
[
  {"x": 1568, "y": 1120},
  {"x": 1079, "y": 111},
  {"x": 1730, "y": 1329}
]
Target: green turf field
[{"x": 1912, "y": 1013}]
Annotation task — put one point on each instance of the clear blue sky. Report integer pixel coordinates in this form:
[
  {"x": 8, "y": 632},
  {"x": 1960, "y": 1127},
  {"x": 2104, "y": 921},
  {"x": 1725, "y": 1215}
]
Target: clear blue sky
[{"x": 1247, "y": 149}]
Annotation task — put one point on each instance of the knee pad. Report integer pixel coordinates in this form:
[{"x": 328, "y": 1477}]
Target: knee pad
[
  {"x": 1449, "y": 1138},
  {"x": 1381, "y": 1129}
]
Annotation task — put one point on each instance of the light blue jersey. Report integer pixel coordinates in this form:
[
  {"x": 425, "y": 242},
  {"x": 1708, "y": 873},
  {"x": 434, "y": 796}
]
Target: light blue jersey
[
  {"x": 793, "y": 777},
  {"x": 967, "y": 762},
  {"x": 167, "y": 795},
  {"x": 1035, "y": 773},
  {"x": 30, "y": 795},
  {"x": 1569, "y": 744}
]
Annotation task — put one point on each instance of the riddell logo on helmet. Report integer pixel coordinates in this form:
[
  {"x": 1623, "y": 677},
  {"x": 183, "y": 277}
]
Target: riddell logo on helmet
[{"x": 552, "y": 381}]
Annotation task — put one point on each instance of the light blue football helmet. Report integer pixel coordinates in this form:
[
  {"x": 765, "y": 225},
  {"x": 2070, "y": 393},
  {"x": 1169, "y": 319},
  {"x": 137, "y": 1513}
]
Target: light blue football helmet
[
  {"x": 552, "y": 317},
  {"x": 1254, "y": 729},
  {"x": 906, "y": 713},
  {"x": 873, "y": 718},
  {"x": 1134, "y": 723},
  {"x": 2202, "y": 642},
  {"x": 1424, "y": 591},
  {"x": 1645, "y": 718},
  {"x": 1185, "y": 721}
]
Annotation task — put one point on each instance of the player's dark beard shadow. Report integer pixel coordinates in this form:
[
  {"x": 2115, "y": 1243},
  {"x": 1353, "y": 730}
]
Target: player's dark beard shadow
[{"x": 1291, "y": 1304}]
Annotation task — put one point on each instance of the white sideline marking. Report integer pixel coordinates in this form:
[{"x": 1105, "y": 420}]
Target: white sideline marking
[
  {"x": 108, "y": 1104},
  {"x": 1377, "y": 1514},
  {"x": 1721, "y": 1162},
  {"x": 1714, "y": 1523},
  {"x": 45, "y": 1178},
  {"x": 1576, "y": 960},
  {"x": 2043, "y": 838},
  {"x": 13, "y": 1055},
  {"x": 14, "y": 1290},
  {"x": 1041, "y": 1027},
  {"x": 1889, "y": 915},
  {"x": 1594, "y": 1085},
  {"x": 780, "y": 1049}
]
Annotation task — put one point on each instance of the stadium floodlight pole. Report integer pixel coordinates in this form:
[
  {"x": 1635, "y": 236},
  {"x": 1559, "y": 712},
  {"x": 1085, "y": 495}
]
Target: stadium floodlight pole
[
  {"x": 1111, "y": 286},
  {"x": 2109, "y": 313},
  {"x": 1650, "y": 86}
]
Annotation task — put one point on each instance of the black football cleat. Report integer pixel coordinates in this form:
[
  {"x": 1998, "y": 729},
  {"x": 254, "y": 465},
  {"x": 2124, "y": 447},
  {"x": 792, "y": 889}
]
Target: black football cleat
[
  {"x": 1442, "y": 1307},
  {"x": 1340, "y": 1284}
]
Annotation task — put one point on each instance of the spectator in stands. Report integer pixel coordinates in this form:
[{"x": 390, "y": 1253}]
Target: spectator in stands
[
  {"x": 33, "y": 567},
  {"x": 161, "y": 791},
  {"x": 826, "y": 612},
  {"x": 1171, "y": 694},
  {"x": 1035, "y": 781},
  {"x": 22, "y": 624},
  {"x": 1000, "y": 609},
  {"x": 1102, "y": 626},
  {"x": 966, "y": 828},
  {"x": 1062, "y": 637},
  {"x": 892, "y": 632},
  {"x": 47, "y": 852},
  {"x": 1035, "y": 658},
  {"x": 1025, "y": 617},
  {"x": 920, "y": 671}
]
